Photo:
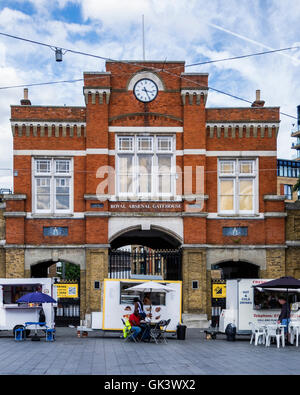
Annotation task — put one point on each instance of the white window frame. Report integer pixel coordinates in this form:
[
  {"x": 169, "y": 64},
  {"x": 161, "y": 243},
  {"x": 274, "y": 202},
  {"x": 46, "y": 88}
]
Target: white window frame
[
  {"x": 53, "y": 176},
  {"x": 154, "y": 193},
  {"x": 237, "y": 177}
]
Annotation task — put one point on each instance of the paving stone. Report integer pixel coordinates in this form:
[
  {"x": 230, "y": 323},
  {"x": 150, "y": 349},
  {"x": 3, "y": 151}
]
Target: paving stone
[{"x": 103, "y": 355}]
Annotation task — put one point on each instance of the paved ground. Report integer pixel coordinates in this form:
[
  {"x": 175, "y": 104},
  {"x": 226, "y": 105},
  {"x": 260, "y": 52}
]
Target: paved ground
[{"x": 110, "y": 355}]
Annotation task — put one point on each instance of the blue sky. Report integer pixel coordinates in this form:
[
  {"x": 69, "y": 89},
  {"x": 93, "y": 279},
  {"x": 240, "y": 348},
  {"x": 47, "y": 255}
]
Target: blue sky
[{"x": 190, "y": 30}]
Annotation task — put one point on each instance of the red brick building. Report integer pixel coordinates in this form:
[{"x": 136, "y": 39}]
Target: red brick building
[{"x": 146, "y": 162}]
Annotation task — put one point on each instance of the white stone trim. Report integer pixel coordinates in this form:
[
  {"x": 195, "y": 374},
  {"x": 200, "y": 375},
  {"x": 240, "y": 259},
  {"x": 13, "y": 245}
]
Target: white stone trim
[
  {"x": 145, "y": 74},
  {"x": 293, "y": 243},
  {"x": 237, "y": 216},
  {"x": 62, "y": 153},
  {"x": 77, "y": 215},
  {"x": 94, "y": 91},
  {"x": 145, "y": 129},
  {"x": 49, "y": 125},
  {"x": 275, "y": 215},
  {"x": 225, "y": 153},
  {"x": 274, "y": 197},
  {"x": 193, "y": 92},
  {"x": 233, "y": 125},
  {"x": 241, "y": 153}
]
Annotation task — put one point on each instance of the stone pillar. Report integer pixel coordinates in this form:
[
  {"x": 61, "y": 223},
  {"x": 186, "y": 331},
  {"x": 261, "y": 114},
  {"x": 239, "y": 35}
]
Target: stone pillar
[
  {"x": 15, "y": 263},
  {"x": 82, "y": 294},
  {"x": 194, "y": 269},
  {"x": 2, "y": 262},
  {"x": 96, "y": 270},
  {"x": 275, "y": 267}
]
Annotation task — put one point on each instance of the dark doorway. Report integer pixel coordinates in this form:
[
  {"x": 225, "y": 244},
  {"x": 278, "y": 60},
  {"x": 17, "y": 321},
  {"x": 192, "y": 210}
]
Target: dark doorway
[{"x": 233, "y": 270}]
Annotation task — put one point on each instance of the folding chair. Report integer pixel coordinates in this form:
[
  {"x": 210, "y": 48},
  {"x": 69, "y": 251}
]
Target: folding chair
[
  {"x": 127, "y": 331},
  {"x": 158, "y": 332},
  {"x": 163, "y": 330}
]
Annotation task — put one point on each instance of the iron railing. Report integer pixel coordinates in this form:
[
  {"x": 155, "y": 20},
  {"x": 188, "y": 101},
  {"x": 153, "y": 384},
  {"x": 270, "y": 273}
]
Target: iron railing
[{"x": 161, "y": 264}]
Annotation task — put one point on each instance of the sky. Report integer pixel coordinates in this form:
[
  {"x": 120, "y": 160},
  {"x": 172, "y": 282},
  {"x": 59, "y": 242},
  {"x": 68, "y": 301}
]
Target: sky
[{"x": 188, "y": 30}]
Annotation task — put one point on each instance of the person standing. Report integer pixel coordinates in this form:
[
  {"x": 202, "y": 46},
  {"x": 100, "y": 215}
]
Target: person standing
[{"x": 284, "y": 316}]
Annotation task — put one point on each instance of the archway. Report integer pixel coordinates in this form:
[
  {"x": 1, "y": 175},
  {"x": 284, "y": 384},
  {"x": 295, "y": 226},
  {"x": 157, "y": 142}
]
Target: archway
[
  {"x": 66, "y": 289},
  {"x": 152, "y": 253}
]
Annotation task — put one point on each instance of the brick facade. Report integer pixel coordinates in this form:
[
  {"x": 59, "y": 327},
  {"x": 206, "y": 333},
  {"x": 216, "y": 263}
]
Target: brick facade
[{"x": 202, "y": 137}]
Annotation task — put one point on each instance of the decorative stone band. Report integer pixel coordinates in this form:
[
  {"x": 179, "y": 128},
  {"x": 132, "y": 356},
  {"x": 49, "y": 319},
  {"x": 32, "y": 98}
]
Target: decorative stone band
[
  {"x": 15, "y": 197},
  {"x": 49, "y": 129},
  {"x": 97, "y": 93},
  {"x": 275, "y": 197},
  {"x": 242, "y": 129},
  {"x": 14, "y": 214},
  {"x": 191, "y": 93}
]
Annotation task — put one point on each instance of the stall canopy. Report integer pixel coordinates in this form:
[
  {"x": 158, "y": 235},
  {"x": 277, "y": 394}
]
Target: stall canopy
[
  {"x": 151, "y": 286},
  {"x": 36, "y": 297}
]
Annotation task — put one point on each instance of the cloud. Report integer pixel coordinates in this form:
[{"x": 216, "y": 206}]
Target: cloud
[{"x": 194, "y": 30}]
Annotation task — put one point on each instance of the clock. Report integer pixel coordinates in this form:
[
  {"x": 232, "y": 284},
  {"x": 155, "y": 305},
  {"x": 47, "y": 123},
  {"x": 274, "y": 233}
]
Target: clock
[{"x": 145, "y": 90}]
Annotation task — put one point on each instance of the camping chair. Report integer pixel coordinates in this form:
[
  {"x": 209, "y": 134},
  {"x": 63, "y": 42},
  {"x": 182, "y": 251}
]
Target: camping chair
[{"x": 127, "y": 331}]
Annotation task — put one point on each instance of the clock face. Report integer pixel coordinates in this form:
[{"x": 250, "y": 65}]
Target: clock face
[{"x": 145, "y": 90}]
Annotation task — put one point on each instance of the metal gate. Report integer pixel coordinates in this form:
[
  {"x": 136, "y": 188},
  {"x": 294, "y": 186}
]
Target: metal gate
[
  {"x": 67, "y": 311},
  {"x": 145, "y": 263}
]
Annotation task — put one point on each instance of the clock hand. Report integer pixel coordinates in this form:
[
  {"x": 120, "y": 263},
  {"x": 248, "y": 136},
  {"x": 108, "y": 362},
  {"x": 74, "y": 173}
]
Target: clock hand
[{"x": 144, "y": 89}]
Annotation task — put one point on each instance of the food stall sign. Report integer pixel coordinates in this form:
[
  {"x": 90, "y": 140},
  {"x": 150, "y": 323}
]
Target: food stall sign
[{"x": 67, "y": 290}]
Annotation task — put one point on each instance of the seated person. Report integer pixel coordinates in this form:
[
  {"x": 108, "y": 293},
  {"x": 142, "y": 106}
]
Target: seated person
[
  {"x": 139, "y": 327},
  {"x": 139, "y": 308},
  {"x": 135, "y": 323}
]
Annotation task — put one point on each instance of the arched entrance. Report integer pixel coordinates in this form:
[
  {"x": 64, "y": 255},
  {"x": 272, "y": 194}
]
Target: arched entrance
[
  {"x": 67, "y": 277},
  {"x": 145, "y": 253}
]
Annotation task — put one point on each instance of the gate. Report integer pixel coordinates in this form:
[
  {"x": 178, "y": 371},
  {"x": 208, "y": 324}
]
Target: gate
[
  {"x": 145, "y": 263},
  {"x": 218, "y": 300},
  {"x": 67, "y": 311}
]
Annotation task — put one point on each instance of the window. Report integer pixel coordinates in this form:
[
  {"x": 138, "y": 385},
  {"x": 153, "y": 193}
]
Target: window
[
  {"x": 237, "y": 186},
  {"x": 145, "y": 166},
  {"x": 52, "y": 185},
  {"x": 288, "y": 191}
]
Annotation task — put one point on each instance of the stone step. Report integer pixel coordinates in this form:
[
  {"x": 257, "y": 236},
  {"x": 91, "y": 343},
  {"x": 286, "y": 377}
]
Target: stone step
[{"x": 199, "y": 321}]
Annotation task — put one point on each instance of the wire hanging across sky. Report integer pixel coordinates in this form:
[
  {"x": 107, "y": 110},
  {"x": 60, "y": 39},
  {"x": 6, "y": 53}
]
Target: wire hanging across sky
[{"x": 165, "y": 70}]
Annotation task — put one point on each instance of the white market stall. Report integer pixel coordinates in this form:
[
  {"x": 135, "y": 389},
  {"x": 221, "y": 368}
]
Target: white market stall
[
  {"x": 117, "y": 304},
  {"x": 245, "y": 304},
  {"x": 13, "y": 314}
]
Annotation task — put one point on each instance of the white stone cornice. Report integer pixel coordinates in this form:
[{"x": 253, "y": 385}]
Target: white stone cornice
[
  {"x": 97, "y": 91},
  {"x": 193, "y": 92},
  {"x": 68, "y": 128},
  {"x": 243, "y": 129}
]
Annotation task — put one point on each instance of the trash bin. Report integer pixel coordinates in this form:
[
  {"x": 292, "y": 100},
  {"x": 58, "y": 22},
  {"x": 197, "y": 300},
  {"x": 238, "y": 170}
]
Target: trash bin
[
  {"x": 230, "y": 332},
  {"x": 181, "y": 332}
]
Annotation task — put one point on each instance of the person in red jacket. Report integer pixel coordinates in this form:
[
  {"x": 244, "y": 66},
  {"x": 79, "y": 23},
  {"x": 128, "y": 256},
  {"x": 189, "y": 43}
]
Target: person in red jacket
[{"x": 135, "y": 323}]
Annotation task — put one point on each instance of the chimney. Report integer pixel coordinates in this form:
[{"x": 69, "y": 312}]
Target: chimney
[
  {"x": 25, "y": 101},
  {"x": 258, "y": 102}
]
